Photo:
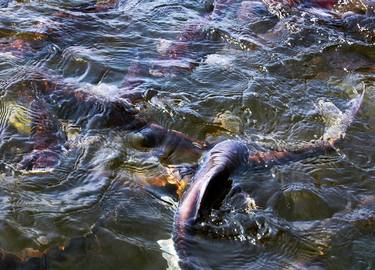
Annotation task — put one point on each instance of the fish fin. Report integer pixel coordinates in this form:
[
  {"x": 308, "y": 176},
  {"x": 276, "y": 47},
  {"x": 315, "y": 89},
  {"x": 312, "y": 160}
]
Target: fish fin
[
  {"x": 337, "y": 122},
  {"x": 329, "y": 112}
]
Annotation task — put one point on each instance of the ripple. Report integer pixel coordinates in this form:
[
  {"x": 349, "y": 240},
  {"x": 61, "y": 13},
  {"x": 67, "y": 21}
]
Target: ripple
[
  {"x": 305, "y": 202},
  {"x": 223, "y": 69},
  {"x": 15, "y": 115}
]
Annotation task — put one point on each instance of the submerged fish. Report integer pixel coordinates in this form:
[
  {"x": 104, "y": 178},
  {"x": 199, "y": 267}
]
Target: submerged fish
[{"x": 38, "y": 115}]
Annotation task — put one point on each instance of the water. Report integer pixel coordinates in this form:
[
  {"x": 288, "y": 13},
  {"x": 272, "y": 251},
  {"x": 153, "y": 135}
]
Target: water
[{"x": 100, "y": 198}]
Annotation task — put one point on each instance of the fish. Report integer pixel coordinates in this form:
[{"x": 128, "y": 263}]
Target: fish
[
  {"x": 57, "y": 99},
  {"x": 212, "y": 183},
  {"x": 44, "y": 260}
]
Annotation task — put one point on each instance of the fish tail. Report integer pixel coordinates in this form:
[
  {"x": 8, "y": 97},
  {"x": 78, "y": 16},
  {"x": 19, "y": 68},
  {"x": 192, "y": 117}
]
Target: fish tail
[{"x": 337, "y": 122}]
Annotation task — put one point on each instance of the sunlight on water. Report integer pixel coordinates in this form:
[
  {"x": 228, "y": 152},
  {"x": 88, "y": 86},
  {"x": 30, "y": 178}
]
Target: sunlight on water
[{"x": 108, "y": 108}]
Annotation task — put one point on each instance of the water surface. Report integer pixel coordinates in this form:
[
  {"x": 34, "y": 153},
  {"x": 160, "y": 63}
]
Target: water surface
[{"x": 244, "y": 71}]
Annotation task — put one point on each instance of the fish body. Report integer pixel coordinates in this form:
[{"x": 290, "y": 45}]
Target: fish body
[{"x": 211, "y": 183}]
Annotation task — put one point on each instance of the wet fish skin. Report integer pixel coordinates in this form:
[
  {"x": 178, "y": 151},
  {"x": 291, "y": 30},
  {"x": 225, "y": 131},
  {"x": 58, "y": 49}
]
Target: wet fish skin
[{"x": 211, "y": 183}]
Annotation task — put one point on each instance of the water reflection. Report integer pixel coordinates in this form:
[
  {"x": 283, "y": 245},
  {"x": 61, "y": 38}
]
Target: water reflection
[{"x": 107, "y": 106}]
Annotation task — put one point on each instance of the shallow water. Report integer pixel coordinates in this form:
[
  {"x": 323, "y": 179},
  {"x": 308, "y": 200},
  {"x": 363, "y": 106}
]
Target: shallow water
[{"x": 244, "y": 71}]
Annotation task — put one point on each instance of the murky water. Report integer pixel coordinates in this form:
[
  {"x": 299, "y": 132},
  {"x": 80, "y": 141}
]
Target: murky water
[{"x": 82, "y": 81}]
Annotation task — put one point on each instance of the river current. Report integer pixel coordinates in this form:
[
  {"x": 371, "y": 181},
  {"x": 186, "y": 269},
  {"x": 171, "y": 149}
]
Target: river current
[{"x": 212, "y": 70}]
